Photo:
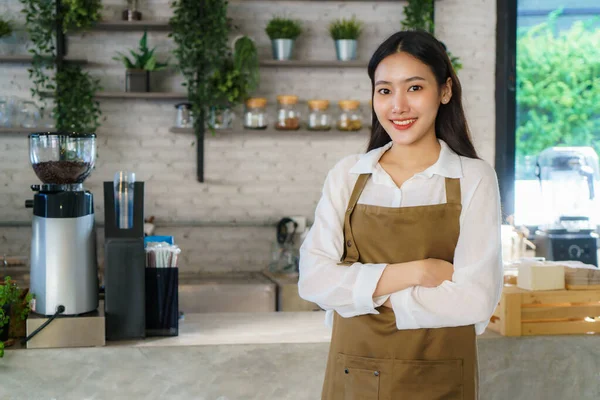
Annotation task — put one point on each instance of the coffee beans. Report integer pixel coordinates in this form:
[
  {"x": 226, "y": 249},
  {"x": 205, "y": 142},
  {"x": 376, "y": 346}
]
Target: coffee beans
[{"x": 62, "y": 172}]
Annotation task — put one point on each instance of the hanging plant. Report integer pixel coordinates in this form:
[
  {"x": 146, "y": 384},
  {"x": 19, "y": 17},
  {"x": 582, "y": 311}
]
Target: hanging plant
[
  {"x": 74, "y": 107},
  {"x": 80, "y": 14},
  {"x": 238, "y": 77},
  {"x": 418, "y": 15},
  {"x": 199, "y": 28}
]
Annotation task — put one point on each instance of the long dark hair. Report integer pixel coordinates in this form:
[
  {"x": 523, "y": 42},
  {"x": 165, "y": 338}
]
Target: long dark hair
[{"x": 450, "y": 123}]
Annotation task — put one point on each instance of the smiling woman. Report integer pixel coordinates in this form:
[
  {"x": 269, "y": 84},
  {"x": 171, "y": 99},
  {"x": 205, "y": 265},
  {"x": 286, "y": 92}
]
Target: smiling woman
[{"x": 415, "y": 223}]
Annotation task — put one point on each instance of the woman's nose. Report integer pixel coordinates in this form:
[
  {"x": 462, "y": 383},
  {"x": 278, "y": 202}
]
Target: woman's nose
[{"x": 400, "y": 103}]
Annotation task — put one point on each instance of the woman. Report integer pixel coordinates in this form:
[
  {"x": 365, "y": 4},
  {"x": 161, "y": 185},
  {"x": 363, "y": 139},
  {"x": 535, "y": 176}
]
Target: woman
[{"x": 404, "y": 253}]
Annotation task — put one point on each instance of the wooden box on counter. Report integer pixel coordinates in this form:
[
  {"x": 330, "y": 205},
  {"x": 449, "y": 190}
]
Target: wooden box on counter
[
  {"x": 287, "y": 293},
  {"x": 553, "y": 312}
]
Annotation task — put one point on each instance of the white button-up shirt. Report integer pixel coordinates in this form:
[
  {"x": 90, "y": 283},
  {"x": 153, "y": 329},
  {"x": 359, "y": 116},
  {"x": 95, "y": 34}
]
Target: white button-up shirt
[{"x": 476, "y": 286}]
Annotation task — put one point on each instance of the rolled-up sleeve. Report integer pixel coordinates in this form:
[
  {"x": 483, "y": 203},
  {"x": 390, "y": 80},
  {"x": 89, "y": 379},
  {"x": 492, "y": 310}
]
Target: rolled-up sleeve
[
  {"x": 347, "y": 289},
  {"x": 476, "y": 286}
]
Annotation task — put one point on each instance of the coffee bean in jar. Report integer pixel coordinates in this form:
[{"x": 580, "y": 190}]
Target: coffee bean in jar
[
  {"x": 288, "y": 116},
  {"x": 62, "y": 172}
]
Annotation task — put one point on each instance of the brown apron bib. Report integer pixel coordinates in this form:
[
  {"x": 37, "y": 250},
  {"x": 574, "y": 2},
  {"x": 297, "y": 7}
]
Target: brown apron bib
[{"x": 369, "y": 358}]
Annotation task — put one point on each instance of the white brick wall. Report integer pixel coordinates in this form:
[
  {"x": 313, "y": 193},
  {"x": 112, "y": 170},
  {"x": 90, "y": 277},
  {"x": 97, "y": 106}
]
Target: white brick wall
[{"x": 251, "y": 177}]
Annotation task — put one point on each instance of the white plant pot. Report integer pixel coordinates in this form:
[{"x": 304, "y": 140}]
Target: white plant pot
[{"x": 345, "y": 49}]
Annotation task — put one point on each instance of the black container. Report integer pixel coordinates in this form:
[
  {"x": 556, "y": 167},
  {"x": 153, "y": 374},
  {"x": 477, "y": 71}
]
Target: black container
[
  {"x": 124, "y": 269},
  {"x": 162, "y": 302},
  {"x": 137, "y": 80}
]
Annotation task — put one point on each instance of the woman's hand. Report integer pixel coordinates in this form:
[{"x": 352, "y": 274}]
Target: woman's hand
[{"x": 433, "y": 272}]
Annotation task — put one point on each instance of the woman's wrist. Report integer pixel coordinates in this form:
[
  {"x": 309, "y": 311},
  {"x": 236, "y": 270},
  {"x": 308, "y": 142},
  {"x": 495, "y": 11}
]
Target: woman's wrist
[
  {"x": 409, "y": 272},
  {"x": 416, "y": 271}
]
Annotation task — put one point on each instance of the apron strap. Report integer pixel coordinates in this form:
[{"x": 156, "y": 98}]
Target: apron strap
[
  {"x": 453, "y": 191},
  {"x": 350, "y": 251}
]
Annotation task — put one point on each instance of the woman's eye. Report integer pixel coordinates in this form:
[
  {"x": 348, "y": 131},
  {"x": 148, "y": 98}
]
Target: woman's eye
[
  {"x": 383, "y": 91},
  {"x": 414, "y": 88}
]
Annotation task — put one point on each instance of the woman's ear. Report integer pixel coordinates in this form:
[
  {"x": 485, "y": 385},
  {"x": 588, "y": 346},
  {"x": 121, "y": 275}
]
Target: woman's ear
[{"x": 446, "y": 94}]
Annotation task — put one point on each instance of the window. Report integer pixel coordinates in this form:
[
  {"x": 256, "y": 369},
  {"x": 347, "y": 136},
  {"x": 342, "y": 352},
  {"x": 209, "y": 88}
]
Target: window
[{"x": 557, "y": 90}]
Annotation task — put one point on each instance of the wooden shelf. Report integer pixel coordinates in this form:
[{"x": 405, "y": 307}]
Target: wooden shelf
[
  {"x": 25, "y": 59},
  {"x": 134, "y": 26},
  {"x": 142, "y": 95},
  {"x": 314, "y": 63},
  {"x": 135, "y": 95},
  {"x": 20, "y": 131},
  {"x": 274, "y": 132}
]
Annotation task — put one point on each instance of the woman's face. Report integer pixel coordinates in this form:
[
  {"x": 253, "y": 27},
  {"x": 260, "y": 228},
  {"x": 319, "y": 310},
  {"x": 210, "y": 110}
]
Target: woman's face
[{"x": 407, "y": 98}]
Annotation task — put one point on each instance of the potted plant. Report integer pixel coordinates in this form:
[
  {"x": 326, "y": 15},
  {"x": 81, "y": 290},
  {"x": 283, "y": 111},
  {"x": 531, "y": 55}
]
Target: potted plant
[
  {"x": 6, "y": 32},
  {"x": 345, "y": 33},
  {"x": 139, "y": 67},
  {"x": 283, "y": 33},
  {"x": 233, "y": 82},
  {"x": 15, "y": 303}
]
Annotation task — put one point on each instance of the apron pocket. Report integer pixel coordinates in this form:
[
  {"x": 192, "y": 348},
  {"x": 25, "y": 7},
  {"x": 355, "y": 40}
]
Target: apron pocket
[
  {"x": 428, "y": 379},
  {"x": 358, "y": 378}
]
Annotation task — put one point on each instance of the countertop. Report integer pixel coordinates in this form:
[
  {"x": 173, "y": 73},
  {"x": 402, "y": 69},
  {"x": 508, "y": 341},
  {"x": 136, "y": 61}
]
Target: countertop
[
  {"x": 249, "y": 328},
  {"x": 278, "y": 356}
]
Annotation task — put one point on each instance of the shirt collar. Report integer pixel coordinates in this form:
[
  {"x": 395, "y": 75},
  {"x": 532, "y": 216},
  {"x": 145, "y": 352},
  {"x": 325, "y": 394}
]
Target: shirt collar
[{"x": 448, "y": 164}]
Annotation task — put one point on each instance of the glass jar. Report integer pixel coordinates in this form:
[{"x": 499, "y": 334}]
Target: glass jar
[
  {"x": 255, "y": 116},
  {"x": 350, "y": 118},
  {"x": 184, "y": 117},
  {"x": 288, "y": 116},
  {"x": 318, "y": 117}
]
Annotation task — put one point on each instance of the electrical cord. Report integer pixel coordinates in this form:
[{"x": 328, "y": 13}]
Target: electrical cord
[{"x": 59, "y": 310}]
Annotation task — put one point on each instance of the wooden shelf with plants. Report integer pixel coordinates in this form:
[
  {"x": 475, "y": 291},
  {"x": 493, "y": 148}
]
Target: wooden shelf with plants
[
  {"x": 132, "y": 26},
  {"x": 193, "y": 41},
  {"x": 142, "y": 95}
]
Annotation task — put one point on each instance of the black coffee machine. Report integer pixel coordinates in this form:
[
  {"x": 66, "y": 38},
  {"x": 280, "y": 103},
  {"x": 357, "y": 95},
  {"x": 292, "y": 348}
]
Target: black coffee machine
[{"x": 569, "y": 177}]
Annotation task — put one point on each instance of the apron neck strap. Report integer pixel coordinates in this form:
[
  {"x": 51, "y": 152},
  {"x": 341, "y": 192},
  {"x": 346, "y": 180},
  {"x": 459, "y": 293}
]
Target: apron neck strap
[
  {"x": 453, "y": 191},
  {"x": 361, "y": 182}
]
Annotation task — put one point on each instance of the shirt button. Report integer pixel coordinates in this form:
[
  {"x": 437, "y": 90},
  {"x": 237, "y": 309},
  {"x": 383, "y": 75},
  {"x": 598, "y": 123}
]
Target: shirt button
[
  {"x": 349, "y": 243},
  {"x": 346, "y": 371},
  {"x": 376, "y": 373}
]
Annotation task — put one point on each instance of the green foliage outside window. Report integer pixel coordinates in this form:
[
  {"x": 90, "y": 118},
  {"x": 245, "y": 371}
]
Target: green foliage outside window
[{"x": 558, "y": 81}]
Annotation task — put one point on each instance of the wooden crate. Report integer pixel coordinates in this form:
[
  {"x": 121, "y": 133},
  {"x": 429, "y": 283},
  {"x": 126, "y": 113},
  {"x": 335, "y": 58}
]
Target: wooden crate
[
  {"x": 287, "y": 293},
  {"x": 554, "y": 312}
]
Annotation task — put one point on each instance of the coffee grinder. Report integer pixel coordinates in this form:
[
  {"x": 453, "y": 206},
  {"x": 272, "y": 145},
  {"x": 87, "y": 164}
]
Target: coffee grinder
[
  {"x": 569, "y": 179},
  {"x": 64, "y": 270}
]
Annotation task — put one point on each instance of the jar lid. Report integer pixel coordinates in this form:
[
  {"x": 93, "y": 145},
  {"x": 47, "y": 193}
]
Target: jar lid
[
  {"x": 184, "y": 104},
  {"x": 349, "y": 104},
  {"x": 318, "y": 104},
  {"x": 256, "y": 102},
  {"x": 287, "y": 99}
]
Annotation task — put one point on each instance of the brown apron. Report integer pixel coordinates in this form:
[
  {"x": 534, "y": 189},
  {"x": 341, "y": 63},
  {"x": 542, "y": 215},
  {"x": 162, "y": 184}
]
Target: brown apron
[{"x": 369, "y": 358}]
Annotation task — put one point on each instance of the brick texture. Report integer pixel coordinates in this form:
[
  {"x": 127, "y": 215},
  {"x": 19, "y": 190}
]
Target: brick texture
[{"x": 252, "y": 178}]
